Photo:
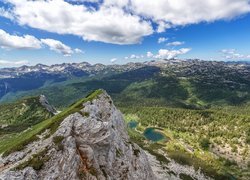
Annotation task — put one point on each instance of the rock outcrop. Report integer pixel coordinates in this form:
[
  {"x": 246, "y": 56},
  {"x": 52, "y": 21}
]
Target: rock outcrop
[
  {"x": 92, "y": 144},
  {"x": 43, "y": 100}
]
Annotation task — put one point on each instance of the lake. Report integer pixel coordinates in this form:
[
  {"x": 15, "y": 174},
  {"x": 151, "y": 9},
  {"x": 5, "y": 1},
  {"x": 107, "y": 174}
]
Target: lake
[
  {"x": 132, "y": 124},
  {"x": 153, "y": 135}
]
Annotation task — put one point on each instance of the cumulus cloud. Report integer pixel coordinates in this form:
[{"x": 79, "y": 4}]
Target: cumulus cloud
[
  {"x": 76, "y": 50},
  {"x": 162, "y": 54},
  {"x": 162, "y": 40},
  {"x": 162, "y": 26},
  {"x": 169, "y": 54},
  {"x": 232, "y": 54},
  {"x": 175, "y": 43},
  {"x": 183, "y": 12},
  {"x": 113, "y": 60},
  {"x": 8, "y": 41},
  {"x": 58, "y": 46},
  {"x": 12, "y": 63},
  {"x": 228, "y": 51},
  {"x": 119, "y": 21},
  {"x": 110, "y": 24},
  {"x": 133, "y": 56},
  {"x": 150, "y": 54}
]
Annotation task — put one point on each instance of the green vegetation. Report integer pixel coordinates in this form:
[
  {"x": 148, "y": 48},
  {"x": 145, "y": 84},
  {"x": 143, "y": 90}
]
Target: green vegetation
[
  {"x": 217, "y": 125},
  {"x": 204, "y": 143},
  {"x": 18, "y": 116},
  {"x": 118, "y": 152},
  {"x": 194, "y": 135},
  {"x": 58, "y": 142},
  {"x": 36, "y": 161},
  {"x": 185, "y": 177},
  {"x": 19, "y": 141}
]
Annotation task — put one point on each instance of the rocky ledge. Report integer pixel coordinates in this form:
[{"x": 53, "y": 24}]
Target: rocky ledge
[{"x": 90, "y": 144}]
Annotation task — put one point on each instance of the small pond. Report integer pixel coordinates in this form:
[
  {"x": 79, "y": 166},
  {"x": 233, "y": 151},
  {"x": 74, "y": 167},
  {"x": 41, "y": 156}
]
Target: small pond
[
  {"x": 153, "y": 135},
  {"x": 132, "y": 124}
]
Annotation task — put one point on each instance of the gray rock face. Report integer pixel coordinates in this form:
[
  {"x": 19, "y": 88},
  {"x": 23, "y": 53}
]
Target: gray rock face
[
  {"x": 94, "y": 146},
  {"x": 43, "y": 100}
]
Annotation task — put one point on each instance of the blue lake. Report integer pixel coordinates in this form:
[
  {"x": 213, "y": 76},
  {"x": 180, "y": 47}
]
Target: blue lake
[
  {"x": 132, "y": 124},
  {"x": 153, "y": 135}
]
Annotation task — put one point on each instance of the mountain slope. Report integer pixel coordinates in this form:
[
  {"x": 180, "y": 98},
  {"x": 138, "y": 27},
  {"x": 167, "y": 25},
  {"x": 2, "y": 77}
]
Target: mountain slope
[
  {"x": 15, "y": 117},
  {"x": 89, "y": 141}
]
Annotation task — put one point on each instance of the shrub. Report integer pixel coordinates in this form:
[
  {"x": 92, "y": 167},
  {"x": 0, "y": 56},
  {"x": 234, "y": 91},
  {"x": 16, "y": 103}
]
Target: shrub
[
  {"x": 229, "y": 163},
  {"x": 205, "y": 143},
  {"x": 36, "y": 161},
  {"x": 58, "y": 142}
]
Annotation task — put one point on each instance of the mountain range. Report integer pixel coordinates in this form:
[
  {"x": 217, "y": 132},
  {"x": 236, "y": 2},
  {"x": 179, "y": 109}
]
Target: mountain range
[
  {"x": 184, "y": 119},
  {"x": 186, "y": 83}
]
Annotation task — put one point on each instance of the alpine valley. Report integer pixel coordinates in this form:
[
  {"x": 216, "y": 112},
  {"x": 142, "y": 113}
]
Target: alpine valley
[{"x": 178, "y": 119}]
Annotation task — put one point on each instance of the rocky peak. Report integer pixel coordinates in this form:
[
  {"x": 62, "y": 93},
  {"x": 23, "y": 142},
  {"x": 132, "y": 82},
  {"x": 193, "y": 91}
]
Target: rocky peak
[
  {"x": 43, "y": 100},
  {"x": 90, "y": 144}
]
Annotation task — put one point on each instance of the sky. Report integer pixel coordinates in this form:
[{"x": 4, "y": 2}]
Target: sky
[{"x": 122, "y": 31}]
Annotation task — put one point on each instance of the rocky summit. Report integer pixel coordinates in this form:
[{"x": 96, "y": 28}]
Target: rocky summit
[{"x": 90, "y": 144}]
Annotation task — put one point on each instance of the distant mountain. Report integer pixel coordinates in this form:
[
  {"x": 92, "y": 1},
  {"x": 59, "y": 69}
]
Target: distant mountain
[
  {"x": 65, "y": 70},
  {"x": 26, "y": 78},
  {"x": 177, "y": 83}
]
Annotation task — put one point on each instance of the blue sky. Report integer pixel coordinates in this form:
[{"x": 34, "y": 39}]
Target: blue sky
[{"x": 111, "y": 31}]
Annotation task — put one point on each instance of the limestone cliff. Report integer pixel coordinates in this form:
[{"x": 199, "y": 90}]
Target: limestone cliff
[{"x": 90, "y": 144}]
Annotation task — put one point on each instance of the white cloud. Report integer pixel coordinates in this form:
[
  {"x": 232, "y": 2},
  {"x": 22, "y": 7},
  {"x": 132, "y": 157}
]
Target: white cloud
[
  {"x": 228, "y": 51},
  {"x": 12, "y": 63},
  {"x": 169, "y": 54},
  {"x": 232, "y": 54},
  {"x": 5, "y": 13},
  {"x": 119, "y": 21},
  {"x": 162, "y": 54},
  {"x": 119, "y": 3},
  {"x": 133, "y": 56},
  {"x": 113, "y": 60},
  {"x": 58, "y": 46},
  {"x": 9, "y": 41},
  {"x": 110, "y": 24},
  {"x": 150, "y": 54},
  {"x": 76, "y": 50},
  {"x": 162, "y": 40},
  {"x": 91, "y": 1},
  {"x": 162, "y": 26},
  {"x": 175, "y": 43},
  {"x": 183, "y": 12}
]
